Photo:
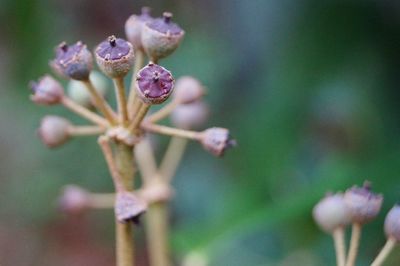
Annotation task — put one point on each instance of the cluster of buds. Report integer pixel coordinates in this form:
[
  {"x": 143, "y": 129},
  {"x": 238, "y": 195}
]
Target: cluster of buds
[{"x": 357, "y": 206}]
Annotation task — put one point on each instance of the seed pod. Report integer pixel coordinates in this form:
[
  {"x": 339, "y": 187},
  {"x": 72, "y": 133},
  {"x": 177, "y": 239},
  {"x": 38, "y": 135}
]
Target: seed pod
[
  {"x": 73, "y": 199},
  {"x": 47, "y": 91},
  {"x": 362, "y": 203},
  {"x": 217, "y": 140},
  {"x": 154, "y": 84},
  {"x": 190, "y": 116},
  {"x": 129, "y": 207},
  {"x": 161, "y": 37},
  {"x": 53, "y": 130},
  {"x": 331, "y": 213},
  {"x": 392, "y": 223},
  {"x": 74, "y": 61},
  {"x": 134, "y": 26},
  {"x": 188, "y": 90},
  {"x": 115, "y": 57},
  {"x": 78, "y": 92}
]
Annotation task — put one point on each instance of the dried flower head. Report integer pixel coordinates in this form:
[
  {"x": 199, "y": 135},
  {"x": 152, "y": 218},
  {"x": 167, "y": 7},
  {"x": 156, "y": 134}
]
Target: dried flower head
[
  {"x": 161, "y": 37},
  {"x": 134, "y": 27},
  {"x": 129, "y": 207},
  {"x": 392, "y": 223},
  {"x": 217, "y": 140},
  {"x": 73, "y": 199},
  {"x": 53, "y": 130},
  {"x": 154, "y": 84},
  {"x": 115, "y": 56},
  {"x": 73, "y": 61},
  {"x": 331, "y": 213},
  {"x": 190, "y": 116},
  {"x": 188, "y": 90},
  {"x": 363, "y": 204},
  {"x": 47, "y": 91}
]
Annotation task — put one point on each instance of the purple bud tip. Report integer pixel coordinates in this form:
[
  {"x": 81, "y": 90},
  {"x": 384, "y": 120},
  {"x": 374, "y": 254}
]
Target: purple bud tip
[
  {"x": 66, "y": 54},
  {"x": 146, "y": 10},
  {"x": 167, "y": 17},
  {"x": 165, "y": 25},
  {"x": 113, "y": 48},
  {"x": 367, "y": 185},
  {"x": 63, "y": 46},
  {"x": 112, "y": 40}
]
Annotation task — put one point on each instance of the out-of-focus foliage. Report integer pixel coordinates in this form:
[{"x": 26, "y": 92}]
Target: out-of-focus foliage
[{"x": 309, "y": 89}]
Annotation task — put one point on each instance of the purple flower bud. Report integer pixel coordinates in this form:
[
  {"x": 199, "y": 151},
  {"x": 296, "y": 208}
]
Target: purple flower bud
[
  {"x": 188, "y": 90},
  {"x": 331, "y": 213},
  {"x": 154, "y": 84},
  {"x": 134, "y": 26},
  {"x": 217, "y": 140},
  {"x": 115, "y": 57},
  {"x": 73, "y": 199},
  {"x": 53, "y": 131},
  {"x": 129, "y": 207},
  {"x": 161, "y": 37},
  {"x": 47, "y": 91},
  {"x": 392, "y": 223},
  {"x": 74, "y": 61},
  {"x": 190, "y": 116},
  {"x": 362, "y": 203}
]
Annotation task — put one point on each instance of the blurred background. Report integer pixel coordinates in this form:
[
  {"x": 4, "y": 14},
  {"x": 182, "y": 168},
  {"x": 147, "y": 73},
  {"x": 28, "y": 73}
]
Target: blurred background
[{"x": 309, "y": 90}]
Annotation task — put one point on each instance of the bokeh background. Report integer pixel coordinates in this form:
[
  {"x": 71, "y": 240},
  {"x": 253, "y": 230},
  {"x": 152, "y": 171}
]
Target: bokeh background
[{"x": 309, "y": 88}]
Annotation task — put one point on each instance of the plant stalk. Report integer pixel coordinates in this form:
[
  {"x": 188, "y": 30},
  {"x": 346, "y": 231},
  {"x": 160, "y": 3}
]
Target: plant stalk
[
  {"x": 340, "y": 248},
  {"x": 354, "y": 243},
  {"x": 390, "y": 244}
]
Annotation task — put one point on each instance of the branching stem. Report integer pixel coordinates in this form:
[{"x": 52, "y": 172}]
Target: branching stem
[{"x": 390, "y": 244}]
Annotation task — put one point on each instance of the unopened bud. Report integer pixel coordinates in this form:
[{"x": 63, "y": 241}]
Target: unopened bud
[
  {"x": 73, "y": 199},
  {"x": 363, "y": 204},
  {"x": 47, "y": 91},
  {"x": 188, "y": 90},
  {"x": 53, "y": 131},
  {"x": 129, "y": 207},
  {"x": 134, "y": 26},
  {"x": 115, "y": 57},
  {"x": 73, "y": 61},
  {"x": 154, "y": 84},
  {"x": 331, "y": 213},
  {"x": 190, "y": 116},
  {"x": 392, "y": 223},
  {"x": 217, "y": 140},
  {"x": 161, "y": 37}
]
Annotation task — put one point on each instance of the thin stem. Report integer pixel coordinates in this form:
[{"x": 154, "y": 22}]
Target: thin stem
[
  {"x": 354, "y": 243},
  {"x": 175, "y": 132},
  {"x": 390, "y": 244},
  {"x": 139, "y": 59},
  {"x": 101, "y": 200},
  {"x": 84, "y": 112},
  {"x": 85, "y": 130},
  {"x": 157, "y": 232},
  {"x": 163, "y": 112},
  {"x": 138, "y": 118},
  {"x": 108, "y": 155},
  {"x": 121, "y": 99},
  {"x": 100, "y": 103},
  {"x": 340, "y": 248},
  {"x": 145, "y": 159},
  {"x": 172, "y": 158}
]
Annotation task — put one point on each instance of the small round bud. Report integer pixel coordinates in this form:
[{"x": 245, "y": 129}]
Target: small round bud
[
  {"x": 47, "y": 91},
  {"x": 362, "y": 203},
  {"x": 114, "y": 57},
  {"x": 129, "y": 207},
  {"x": 74, "y": 61},
  {"x": 134, "y": 26},
  {"x": 188, "y": 90},
  {"x": 78, "y": 92},
  {"x": 392, "y": 223},
  {"x": 154, "y": 84},
  {"x": 331, "y": 213},
  {"x": 156, "y": 191},
  {"x": 53, "y": 130},
  {"x": 190, "y": 116},
  {"x": 217, "y": 140},
  {"x": 161, "y": 37},
  {"x": 73, "y": 199}
]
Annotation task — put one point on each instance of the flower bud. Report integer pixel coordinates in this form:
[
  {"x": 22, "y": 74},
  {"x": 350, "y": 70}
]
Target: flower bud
[
  {"x": 188, "y": 90},
  {"x": 392, "y": 223},
  {"x": 73, "y": 199},
  {"x": 47, "y": 91},
  {"x": 134, "y": 26},
  {"x": 154, "y": 84},
  {"x": 331, "y": 213},
  {"x": 53, "y": 131},
  {"x": 161, "y": 37},
  {"x": 190, "y": 116},
  {"x": 217, "y": 140},
  {"x": 362, "y": 203},
  {"x": 74, "y": 61},
  {"x": 129, "y": 207},
  {"x": 114, "y": 57},
  {"x": 78, "y": 92}
]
